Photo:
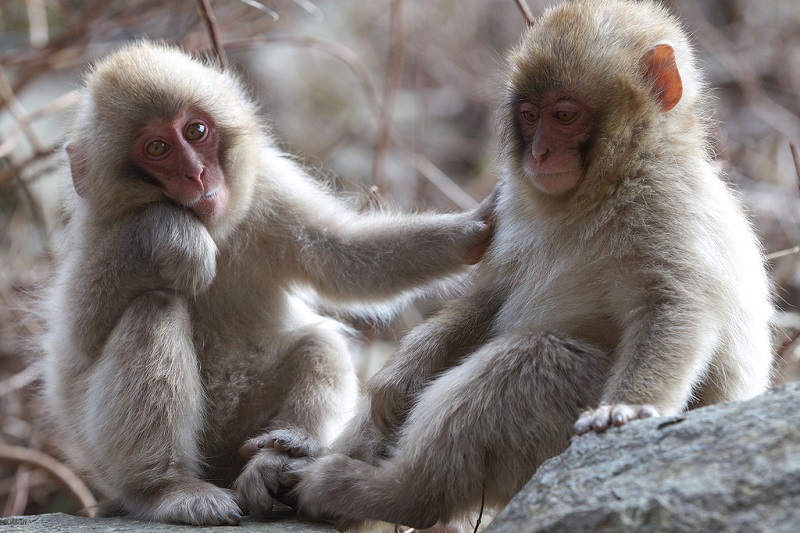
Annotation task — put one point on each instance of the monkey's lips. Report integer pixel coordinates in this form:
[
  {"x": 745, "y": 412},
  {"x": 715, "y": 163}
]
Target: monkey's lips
[{"x": 210, "y": 204}]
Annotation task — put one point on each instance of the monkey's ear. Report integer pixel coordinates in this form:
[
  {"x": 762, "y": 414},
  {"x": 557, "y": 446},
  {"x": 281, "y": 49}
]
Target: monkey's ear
[
  {"x": 660, "y": 68},
  {"x": 77, "y": 167}
]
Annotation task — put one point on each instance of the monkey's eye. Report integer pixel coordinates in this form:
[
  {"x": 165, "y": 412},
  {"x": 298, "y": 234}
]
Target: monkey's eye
[
  {"x": 156, "y": 148},
  {"x": 529, "y": 114},
  {"x": 566, "y": 117},
  {"x": 195, "y": 132}
]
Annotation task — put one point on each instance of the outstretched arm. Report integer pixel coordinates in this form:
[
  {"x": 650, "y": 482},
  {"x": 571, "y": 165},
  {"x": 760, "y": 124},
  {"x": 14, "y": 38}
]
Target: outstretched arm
[{"x": 346, "y": 255}]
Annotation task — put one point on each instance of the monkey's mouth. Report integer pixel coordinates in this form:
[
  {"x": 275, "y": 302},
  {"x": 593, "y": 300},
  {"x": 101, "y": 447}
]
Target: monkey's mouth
[{"x": 206, "y": 196}]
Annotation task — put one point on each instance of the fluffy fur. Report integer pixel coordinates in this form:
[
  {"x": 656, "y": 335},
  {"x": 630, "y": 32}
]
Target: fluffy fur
[
  {"x": 170, "y": 342},
  {"x": 643, "y": 286}
]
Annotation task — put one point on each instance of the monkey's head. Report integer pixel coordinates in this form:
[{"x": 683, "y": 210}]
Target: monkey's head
[
  {"x": 590, "y": 91},
  {"x": 155, "y": 124}
]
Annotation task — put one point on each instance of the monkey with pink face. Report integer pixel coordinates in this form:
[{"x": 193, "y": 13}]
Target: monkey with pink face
[
  {"x": 623, "y": 281},
  {"x": 173, "y": 333}
]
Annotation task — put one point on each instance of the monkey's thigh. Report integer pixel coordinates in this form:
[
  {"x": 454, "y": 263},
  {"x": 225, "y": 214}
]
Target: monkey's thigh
[
  {"x": 484, "y": 425},
  {"x": 316, "y": 371},
  {"x": 143, "y": 413},
  {"x": 491, "y": 421}
]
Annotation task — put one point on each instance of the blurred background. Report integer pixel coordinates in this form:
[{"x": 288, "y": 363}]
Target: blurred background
[{"x": 390, "y": 98}]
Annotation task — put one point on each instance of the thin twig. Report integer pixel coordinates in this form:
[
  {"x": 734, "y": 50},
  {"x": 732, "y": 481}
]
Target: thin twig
[
  {"x": 62, "y": 102},
  {"x": 19, "y": 112},
  {"x": 393, "y": 78},
  {"x": 211, "y": 22},
  {"x": 71, "y": 482},
  {"x": 18, "y": 499},
  {"x": 19, "y": 380},
  {"x": 782, "y": 253},
  {"x": 442, "y": 181},
  {"x": 796, "y": 158},
  {"x": 37, "y": 23},
  {"x": 526, "y": 12}
]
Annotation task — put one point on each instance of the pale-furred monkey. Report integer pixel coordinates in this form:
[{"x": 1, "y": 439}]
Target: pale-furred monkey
[
  {"x": 623, "y": 277},
  {"x": 173, "y": 335}
]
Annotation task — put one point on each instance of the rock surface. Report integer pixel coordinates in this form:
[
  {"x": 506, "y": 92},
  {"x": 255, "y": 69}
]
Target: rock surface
[
  {"x": 724, "y": 468},
  {"x": 63, "y": 523}
]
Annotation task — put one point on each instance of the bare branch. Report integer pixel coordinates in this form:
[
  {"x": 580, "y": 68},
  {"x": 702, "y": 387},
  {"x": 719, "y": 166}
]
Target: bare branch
[
  {"x": 526, "y": 12},
  {"x": 75, "y": 487},
  {"x": 395, "y": 73},
  {"x": 211, "y": 22}
]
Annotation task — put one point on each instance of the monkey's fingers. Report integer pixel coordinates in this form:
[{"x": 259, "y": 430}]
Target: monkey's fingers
[
  {"x": 606, "y": 415},
  {"x": 482, "y": 244},
  {"x": 292, "y": 442}
]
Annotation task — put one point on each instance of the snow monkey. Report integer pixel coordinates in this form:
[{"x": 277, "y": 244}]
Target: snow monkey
[
  {"x": 623, "y": 281},
  {"x": 174, "y": 334}
]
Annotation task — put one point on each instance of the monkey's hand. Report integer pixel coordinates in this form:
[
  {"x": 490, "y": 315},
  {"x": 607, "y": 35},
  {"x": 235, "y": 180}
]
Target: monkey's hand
[
  {"x": 180, "y": 247},
  {"x": 390, "y": 400},
  {"x": 485, "y": 213},
  {"x": 607, "y": 415},
  {"x": 274, "y": 461},
  {"x": 190, "y": 266}
]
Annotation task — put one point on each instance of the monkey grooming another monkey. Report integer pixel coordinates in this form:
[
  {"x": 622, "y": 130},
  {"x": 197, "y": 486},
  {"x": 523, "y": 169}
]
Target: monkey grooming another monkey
[
  {"x": 622, "y": 277},
  {"x": 173, "y": 335}
]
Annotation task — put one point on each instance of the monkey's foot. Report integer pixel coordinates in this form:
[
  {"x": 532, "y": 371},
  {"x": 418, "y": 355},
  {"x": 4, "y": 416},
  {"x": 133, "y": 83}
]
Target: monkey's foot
[
  {"x": 326, "y": 490},
  {"x": 190, "y": 501},
  {"x": 606, "y": 415},
  {"x": 275, "y": 458}
]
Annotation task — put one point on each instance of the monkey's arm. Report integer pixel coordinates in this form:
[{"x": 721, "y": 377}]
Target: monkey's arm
[
  {"x": 175, "y": 245},
  {"x": 436, "y": 345},
  {"x": 374, "y": 256},
  {"x": 666, "y": 345}
]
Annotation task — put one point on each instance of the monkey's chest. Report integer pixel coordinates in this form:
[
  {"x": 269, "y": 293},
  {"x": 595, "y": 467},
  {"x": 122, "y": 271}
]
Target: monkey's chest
[{"x": 566, "y": 295}]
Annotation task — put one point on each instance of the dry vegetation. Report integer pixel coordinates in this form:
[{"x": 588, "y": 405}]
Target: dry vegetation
[{"x": 392, "y": 95}]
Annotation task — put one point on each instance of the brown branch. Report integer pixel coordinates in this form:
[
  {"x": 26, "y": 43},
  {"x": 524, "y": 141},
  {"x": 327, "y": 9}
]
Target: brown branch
[
  {"x": 15, "y": 171},
  {"x": 211, "y": 22},
  {"x": 19, "y": 112},
  {"x": 782, "y": 253},
  {"x": 392, "y": 83},
  {"x": 18, "y": 499},
  {"x": 796, "y": 158},
  {"x": 19, "y": 380},
  {"x": 62, "y": 102},
  {"x": 69, "y": 480},
  {"x": 526, "y": 12}
]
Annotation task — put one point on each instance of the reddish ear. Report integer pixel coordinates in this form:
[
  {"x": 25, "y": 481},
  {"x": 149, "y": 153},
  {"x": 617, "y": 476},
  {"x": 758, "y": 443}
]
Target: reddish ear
[
  {"x": 77, "y": 167},
  {"x": 659, "y": 66}
]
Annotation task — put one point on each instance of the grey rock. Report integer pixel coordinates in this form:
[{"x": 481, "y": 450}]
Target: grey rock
[
  {"x": 725, "y": 468},
  {"x": 63, "y": 523}
]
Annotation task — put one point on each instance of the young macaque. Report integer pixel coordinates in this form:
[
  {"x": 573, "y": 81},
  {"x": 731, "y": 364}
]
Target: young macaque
[
  {"x": 623, "y": 278},
  {"x": 173, "y": 331}
]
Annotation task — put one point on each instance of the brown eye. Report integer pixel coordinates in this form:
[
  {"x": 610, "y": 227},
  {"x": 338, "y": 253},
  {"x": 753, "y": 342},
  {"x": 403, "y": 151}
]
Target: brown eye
[
  {"x": 566, "y": 117},
  {"x": 157, "y": 148},
  {"x": 195, "y": 132},
  {"x": 529, "y": 115}
]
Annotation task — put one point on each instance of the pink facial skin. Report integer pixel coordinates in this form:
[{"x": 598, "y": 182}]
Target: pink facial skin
[
  {"x": 181, "y": 155},
  {"x": 553, "y": 132}
]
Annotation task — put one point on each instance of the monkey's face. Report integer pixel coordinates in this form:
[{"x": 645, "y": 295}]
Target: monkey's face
[
  {"x": 181, "y": 157},
  {"x": 553, "y": 132}
]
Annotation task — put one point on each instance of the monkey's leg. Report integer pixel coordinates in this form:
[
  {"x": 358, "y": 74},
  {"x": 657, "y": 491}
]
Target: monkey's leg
[
  {"x": 428, "y": 350},
  {"x": 143, "y": 413},
  {"x": 483, "y": 427},
  {"x": 321, "y": 389}
]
